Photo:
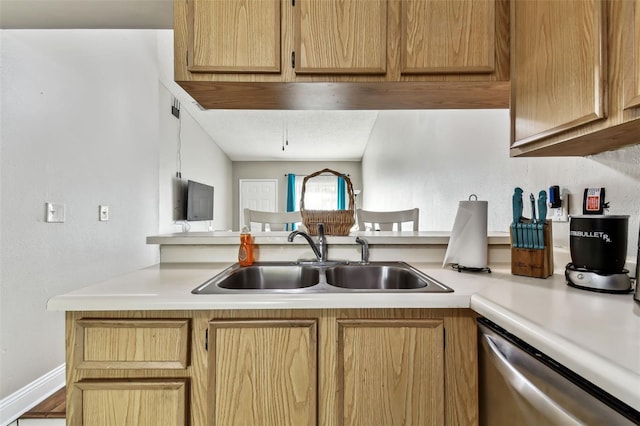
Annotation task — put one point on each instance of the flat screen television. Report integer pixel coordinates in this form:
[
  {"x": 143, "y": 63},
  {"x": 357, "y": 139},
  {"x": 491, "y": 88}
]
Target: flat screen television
[{"x": 199, "y": 201}]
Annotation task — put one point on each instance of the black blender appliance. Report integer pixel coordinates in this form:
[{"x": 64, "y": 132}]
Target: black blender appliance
[{"x": 598, "y": 245}]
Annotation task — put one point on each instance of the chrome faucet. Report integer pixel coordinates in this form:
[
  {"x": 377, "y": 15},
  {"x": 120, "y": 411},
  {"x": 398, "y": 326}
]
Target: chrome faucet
[
  {"x": 364, "y": 258},
  {"x": 319, "y": 249}
]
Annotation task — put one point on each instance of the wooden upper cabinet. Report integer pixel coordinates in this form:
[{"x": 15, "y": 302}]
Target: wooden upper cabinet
[
  {"x": 346, "y": 54},
  {"x": 234, "y": 36},
  {"x": 558, "y": 71},
  {"x": 448, "y": 36},
  {"x": 340, "y": 36},
  {"x": 632, "y": 55}
]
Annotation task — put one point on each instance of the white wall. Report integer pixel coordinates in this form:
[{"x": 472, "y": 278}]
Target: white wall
[
  {"x": 80, "y": 124},
  {"x": 86, "y": 121},
  {"x": 201, "y": 161},
  {"x": 433, "y": 159}
]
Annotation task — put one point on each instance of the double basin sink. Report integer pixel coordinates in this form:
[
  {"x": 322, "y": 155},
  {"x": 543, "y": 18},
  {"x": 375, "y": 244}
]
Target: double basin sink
[{"x": 306, "y": 277}]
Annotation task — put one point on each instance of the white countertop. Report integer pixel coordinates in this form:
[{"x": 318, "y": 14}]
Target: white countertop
[
  {"x": 596, "y": 335},
  {"x": 279, "y": 237},
  {"x": 168, "y": 287}
]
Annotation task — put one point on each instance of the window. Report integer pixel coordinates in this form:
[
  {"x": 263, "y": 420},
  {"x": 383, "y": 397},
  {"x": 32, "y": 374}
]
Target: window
[{"x": 321, "y": 193}]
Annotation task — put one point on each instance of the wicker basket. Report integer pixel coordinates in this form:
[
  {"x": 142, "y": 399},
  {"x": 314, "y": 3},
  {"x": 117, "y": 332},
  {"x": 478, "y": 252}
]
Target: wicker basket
[{"x": 336, "y": 222}]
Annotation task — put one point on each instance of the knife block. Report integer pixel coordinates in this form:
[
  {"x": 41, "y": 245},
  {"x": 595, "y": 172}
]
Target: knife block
[{"x": 537, "y": 263}]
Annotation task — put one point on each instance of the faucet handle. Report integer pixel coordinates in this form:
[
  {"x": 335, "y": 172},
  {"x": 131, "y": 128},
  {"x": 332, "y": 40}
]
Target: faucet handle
[
  {"x": 321, "y": 229},
  {"x": 364, "y": 259}
]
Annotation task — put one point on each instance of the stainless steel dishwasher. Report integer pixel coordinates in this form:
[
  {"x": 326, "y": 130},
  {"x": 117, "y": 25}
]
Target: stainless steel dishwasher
[{"x": 519, "y": 385}]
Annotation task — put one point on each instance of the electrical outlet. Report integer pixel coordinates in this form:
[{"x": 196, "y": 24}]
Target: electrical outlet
[
  {"x": 557, "y": 214},
  {"x": 54, "y": 212},
  {"x": 561, "y": 214},
  {"x": 175, "y": 108},
  {"x": 103, "y": 215}
]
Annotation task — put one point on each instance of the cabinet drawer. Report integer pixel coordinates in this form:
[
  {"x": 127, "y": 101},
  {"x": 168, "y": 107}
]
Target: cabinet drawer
[
  {"x": 129, "y": 403},
  {"x": 132, "y": 343}
]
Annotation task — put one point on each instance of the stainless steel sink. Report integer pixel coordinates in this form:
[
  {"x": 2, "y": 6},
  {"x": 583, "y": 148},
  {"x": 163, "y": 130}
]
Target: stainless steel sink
[
  {"x": 294, "y": 277},
  {"x": 263, "y": 276},
  {"x": 386, "y": 276}
]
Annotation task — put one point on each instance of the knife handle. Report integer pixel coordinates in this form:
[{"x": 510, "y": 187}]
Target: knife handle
[
  {"x": 533, "y": 208},
  {"x": 542, "y": 206},
  {"x": 541, "y": 235},
  {"x": 517, "y": 204}
]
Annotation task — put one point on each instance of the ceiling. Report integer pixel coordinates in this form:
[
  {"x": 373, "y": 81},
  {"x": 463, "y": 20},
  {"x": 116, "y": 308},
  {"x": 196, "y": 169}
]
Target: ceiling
[
  {"x": 243, "y": 135},
  {"x": 305, "y": 135}
]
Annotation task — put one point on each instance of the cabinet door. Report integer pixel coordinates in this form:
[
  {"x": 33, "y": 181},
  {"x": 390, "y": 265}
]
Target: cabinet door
[
  {"x": 341, "y": 36},
  {"x": 392, "y": 372},
  {"x": 558, "y": 66},
  {"x": 234, "y": 36},
  {"x": 632, "y": 55},
  {"x": 448, "y": 36},
  {"x": 140, "y": 402},
  {"x": 262, "y": 372}
]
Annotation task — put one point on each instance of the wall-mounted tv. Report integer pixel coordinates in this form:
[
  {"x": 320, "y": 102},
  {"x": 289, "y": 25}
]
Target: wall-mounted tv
[{"x": 199, "y": 201}]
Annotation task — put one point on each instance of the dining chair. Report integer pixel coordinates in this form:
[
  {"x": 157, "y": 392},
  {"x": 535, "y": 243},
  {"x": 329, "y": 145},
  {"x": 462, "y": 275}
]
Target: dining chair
[
  {"x": 272, "y": 221},
  {"x": 384, "y": 220}
]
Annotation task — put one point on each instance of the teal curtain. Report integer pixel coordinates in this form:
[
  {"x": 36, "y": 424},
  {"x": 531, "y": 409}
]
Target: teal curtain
[
  {"x": 291, "y": 197},
  {"x": 342, "y": 193}
]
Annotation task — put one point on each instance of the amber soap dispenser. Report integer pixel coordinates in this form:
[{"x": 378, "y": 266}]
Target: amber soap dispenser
[{"x": 245, "y": 253}]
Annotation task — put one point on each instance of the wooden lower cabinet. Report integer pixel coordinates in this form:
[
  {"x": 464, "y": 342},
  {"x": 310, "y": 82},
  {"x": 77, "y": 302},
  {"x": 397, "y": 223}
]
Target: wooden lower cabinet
[
  {"x": 130, "y": 403},
  {"x": 282, "y": 367},
  {"x": 391, "y": 372},
  {"x": 262, "y": 372}
]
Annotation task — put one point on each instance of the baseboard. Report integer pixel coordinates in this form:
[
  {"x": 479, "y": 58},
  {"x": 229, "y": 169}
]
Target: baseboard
[{"x": 21, "y": 401}]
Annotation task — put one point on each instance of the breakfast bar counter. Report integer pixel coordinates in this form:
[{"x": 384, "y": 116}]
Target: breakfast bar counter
[{"x": 596, "y": 335}]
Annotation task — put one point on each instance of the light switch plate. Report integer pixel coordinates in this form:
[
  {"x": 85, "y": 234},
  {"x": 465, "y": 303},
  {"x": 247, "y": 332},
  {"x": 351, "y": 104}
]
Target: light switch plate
[
  {"x": 103, "y": 213},
  {"x": 55, "y": 212}
]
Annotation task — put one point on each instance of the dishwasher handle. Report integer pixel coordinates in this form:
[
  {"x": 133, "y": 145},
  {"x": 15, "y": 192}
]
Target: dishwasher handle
[{"x": 527, "y": 389}]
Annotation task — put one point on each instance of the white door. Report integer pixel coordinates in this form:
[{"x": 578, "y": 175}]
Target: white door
[{"x": 258, "y": 194}]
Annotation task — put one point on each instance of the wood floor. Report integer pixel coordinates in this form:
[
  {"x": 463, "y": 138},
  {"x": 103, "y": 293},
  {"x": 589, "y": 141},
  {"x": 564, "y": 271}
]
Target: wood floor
[{"x": 53, "y": 407}]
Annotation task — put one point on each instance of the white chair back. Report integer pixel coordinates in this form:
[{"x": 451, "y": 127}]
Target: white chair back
[
  {"x": 384, "y": 221},
  {"x": 271, "y": 221}
]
